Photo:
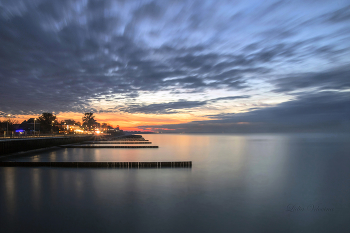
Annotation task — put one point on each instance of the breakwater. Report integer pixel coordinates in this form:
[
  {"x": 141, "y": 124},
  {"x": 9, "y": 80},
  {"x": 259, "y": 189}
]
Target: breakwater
[
  {"x": 176, "y": 164},
  {"x": 105, "y": 146},
  {"x": 130, "y": 139},
  {"x": 117, "y": 142},
  {"x": 17, "y": 145}
]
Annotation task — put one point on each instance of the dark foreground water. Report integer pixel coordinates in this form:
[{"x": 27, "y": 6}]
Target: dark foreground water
[{"x": 238, "y": 183}]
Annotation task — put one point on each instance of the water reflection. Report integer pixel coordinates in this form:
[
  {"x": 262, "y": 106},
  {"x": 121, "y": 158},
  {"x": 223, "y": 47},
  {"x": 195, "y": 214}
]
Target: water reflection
[
  {"x": 53, "y": 156},
  {"x": 65, "y": 154},
  {"x": 9, "y": 179},
  {"x": 242, "y": 183},
  {"x": 36, "y": 188}
]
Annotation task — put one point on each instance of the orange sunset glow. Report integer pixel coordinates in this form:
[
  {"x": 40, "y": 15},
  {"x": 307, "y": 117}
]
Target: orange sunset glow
[{"x": 128, "y": 122}]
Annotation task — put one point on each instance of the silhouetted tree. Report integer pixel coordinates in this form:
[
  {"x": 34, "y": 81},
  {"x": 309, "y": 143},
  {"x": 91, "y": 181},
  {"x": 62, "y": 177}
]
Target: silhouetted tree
[
  {"x": 46, "y": 120},
  {"x": 88, "y": 119},
  {"x": 8, "y": 123},
  {"x": 12, "y": 123},
  {"x": 2, "y": 126}
]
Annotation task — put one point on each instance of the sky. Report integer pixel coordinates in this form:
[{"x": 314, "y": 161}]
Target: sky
[{"x": 179, "y": 66}]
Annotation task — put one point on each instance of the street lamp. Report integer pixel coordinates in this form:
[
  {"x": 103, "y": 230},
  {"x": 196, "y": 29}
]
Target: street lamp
[
  {"x": 52, "y": 127},
  {"x": 34, "y": 126},
  {"x": 7, "y": 130}
]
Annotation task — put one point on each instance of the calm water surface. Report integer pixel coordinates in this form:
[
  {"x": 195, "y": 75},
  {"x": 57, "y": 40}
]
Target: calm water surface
[{"x": 241, "y": 183}]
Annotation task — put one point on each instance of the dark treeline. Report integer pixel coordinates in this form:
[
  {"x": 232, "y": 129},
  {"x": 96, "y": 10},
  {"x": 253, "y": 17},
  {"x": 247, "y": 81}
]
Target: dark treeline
[{"x": 9, "y": 124}]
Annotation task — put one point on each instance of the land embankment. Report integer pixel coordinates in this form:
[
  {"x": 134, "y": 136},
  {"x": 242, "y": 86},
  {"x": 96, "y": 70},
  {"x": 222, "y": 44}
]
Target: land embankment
[{"x": 10, "y": 146}]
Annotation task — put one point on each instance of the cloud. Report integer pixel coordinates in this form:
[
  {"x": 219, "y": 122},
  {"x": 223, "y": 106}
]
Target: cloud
[
  {"x": 66, "y": 56},
  {"x": 230, "y": 98},
  {"x": 173, "y": 107},
  {"x": 317, "y": 112},
  {"x": 149, "y": 10},
  {"x": 339, "y": 15},
  {"x": 338, "y": 79},
  {"x": 164, "y": 108}
]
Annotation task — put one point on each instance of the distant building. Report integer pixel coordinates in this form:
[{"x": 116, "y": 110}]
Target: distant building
[
  {"x": 28, "y": 125},
  {"x": 69, "y": 127}
]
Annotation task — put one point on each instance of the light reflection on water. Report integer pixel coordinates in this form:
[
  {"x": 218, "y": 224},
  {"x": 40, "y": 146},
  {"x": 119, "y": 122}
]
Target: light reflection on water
[
  {"x": 36, "y": 188},
  {"x": 242, "y": 183},
  {"x": 10, "y": 191}
]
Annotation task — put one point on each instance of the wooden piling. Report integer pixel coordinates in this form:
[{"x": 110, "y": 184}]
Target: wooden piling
[{"x": 136, "y": 165}]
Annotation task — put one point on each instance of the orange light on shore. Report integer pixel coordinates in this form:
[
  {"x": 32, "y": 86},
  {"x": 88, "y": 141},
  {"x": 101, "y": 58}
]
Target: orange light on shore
[{"x": 129, "y": 122}]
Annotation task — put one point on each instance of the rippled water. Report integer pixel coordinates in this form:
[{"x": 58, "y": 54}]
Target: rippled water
[{"x": 242, "y": 183}]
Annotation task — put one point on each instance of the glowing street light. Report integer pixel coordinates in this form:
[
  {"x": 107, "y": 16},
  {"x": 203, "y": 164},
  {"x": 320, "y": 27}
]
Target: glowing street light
[
  {"x": 7, "y": 131},
  {"x": 34, "y": 126}
]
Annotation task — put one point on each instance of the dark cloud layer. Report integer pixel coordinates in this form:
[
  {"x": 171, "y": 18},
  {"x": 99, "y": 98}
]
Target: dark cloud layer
[
  {"x": 318, "y": 112},
  {"x": 173, "y": 107},
  {"x": 335, "y": 79},
  {"x": 62, "y": 55}
]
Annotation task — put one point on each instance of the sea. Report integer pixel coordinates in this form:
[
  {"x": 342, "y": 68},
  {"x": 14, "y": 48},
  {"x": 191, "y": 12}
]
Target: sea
[{"x": 237, "y": 183}]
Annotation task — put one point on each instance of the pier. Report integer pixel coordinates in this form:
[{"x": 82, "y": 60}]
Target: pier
[
  {"x": 18, "y": 145},
  {"x": 176, "y": 164},
  {"x": 117, "y": 142},
  {"x": 131, "y": 139},
  {"x": 10, "y": 146},
  {"x": 104, "y": 146}
]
